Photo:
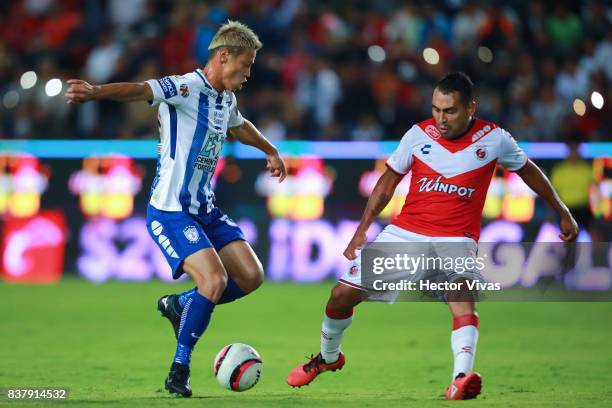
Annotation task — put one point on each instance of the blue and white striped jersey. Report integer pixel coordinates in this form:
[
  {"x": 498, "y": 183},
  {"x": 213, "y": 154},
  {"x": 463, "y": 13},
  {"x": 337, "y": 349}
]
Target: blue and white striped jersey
[{"x": 193, "y": 120}]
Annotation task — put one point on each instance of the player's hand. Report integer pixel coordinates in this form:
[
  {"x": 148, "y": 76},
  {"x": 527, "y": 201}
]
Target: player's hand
[
  {"x": 569, "y": 228},
  {"x": 358, "y": 241},
  {"x": 79, "y": 91},
  {"x": 276, "y": 165}
]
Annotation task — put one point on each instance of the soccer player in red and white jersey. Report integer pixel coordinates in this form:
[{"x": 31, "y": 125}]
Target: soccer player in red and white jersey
[{"x": 452, "y": 157}]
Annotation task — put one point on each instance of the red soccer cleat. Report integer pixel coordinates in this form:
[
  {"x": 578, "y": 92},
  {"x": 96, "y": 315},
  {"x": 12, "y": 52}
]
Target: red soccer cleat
[
  {"x": 464, "y": 387},
  {"x": 304, "y": 374}
]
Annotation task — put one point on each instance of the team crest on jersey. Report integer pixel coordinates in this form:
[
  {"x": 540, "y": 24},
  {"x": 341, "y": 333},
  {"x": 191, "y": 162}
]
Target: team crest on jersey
[
  {"x": 481, "y": 152},
  {"x": 191, "y": 233},
  {"x": 184, "y": 90},
  {"x": 432, "y": 131}
]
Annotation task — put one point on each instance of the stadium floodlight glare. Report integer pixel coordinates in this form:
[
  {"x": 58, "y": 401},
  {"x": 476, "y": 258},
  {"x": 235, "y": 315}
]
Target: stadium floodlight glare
[
  {"x": 597, "y": 100},
  {"x": 53, "y": 87},
  {"x": 376, "y": 53},
  {"x": 28, "y": 79},
  {"x": 485, "y": 54},
  {"x": 431, "y": 56},
  {"x": 579, "y": 107},
  {"x": 10, "y": 99}
]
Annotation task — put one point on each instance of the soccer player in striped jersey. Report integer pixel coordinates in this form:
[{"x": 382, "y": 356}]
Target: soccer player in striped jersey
[
  {"x": 196, "y": 110},
  {"x": 452, "y": 157}
]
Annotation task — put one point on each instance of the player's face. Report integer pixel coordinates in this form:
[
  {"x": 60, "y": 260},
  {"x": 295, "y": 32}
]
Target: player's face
[
  {"x": 451, "y": 115},
  {"x": 237, "y": 69}
]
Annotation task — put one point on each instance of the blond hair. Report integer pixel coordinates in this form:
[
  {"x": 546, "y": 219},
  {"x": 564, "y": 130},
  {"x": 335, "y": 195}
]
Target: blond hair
[{"x": 234, "y": 36}]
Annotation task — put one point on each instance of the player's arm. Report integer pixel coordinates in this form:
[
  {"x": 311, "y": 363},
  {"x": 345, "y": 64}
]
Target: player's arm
[
  {"x": 248, "y": 134},
  {"x": 539, "y": 183},
  {"x": 380, "y": 197},
  {"x": 80, "y": 91}
]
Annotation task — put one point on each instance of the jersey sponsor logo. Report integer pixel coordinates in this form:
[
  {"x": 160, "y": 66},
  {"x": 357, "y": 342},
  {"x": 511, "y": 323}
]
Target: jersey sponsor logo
[
  {"x": 426, "y": 149},
  {"x": 427, "y": 185},
  {"x": 184, "y": 90},
  {"x": 432, "y": 131},
  {"x": 191, "y": 233},
  {"x": 209, "y": 155},
  {"x": 168, "y": 87},
  {"x": 481, "y": 133},
  {"x": 481, "y": 152},
  {"x": 218, "y": 117}
]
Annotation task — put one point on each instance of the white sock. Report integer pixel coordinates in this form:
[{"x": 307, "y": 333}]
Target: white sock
[
  {"x": 332, "y": 332},
  {"x": 463, "y": 342}
]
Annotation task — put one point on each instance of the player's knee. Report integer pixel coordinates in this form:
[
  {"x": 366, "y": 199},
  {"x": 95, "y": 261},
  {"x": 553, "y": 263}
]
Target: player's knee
[
  {"x": 217, "y": 280},
  {"x": 253, "y": 278},
  {"x": 343, "y": 298},
  {"x": 256, "y": 280},
  {"x": 208, "y": 280}
]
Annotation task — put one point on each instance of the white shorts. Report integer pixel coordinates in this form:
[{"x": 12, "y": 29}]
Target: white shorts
[{"x": 421, "y": 245}]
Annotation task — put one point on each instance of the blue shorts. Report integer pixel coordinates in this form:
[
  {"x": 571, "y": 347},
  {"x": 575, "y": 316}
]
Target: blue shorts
[{"x": 179, "y": 234}]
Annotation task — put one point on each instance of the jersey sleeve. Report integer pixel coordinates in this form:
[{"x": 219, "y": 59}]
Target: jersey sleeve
[
  {"x": 235, "y": 118},
  {"x": 400, "y": 160},
  {"x": 167, "y": 89},
  {"x": 511, "y": 156}
]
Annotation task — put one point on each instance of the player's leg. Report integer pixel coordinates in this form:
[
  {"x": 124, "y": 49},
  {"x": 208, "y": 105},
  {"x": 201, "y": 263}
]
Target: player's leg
[
  {"x": 236, "y": 255},
  {"x": 245, "y": 273},
  {"x": 206, "y": 270},
  {"x": 465, "y": 383},
  {"x": 188, "y": 250},
  {"x": 336, "y": 319}
]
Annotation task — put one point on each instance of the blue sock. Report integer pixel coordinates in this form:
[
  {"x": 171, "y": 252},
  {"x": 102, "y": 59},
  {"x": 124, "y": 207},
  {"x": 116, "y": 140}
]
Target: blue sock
[
  {"x": 185, "y": 295},
  {"x": 232, "y": 292},
  {"x": 194, "y": 321}
]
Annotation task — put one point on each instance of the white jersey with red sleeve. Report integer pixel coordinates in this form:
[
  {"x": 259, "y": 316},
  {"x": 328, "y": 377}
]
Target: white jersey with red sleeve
[{"x": 450, "y": 178}]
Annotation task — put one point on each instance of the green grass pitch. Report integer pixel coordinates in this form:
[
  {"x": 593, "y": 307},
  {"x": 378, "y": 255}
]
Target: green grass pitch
[{"x": 110, "y": 347}]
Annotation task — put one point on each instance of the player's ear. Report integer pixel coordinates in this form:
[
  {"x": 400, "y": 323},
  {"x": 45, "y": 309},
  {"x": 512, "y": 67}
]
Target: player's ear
[
  {"x": 223, "y": 55},
  {"x": 471, "y": 108}
]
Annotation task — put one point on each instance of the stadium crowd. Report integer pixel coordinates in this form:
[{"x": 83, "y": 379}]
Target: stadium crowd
[{"x": 329, "y": 70}]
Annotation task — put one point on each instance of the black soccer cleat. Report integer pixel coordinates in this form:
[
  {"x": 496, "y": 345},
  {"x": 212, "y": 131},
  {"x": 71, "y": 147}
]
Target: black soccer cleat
[
  {"x": 171, "y": 309},
  {"x": 177, "y": 381}
]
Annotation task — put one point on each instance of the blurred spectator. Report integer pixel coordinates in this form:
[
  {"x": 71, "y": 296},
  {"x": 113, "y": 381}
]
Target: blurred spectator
[
  {"x": 548, "y": 111},
  {"x": 467, "y": 25},
  {"x": 125, "y": 13},
  {"x": 102, "y": 61},
  {"x": 603, "y": 55},
  {"x": 318, "y": 92},
  {"x": 572, "y": 81},
  {"x": 573, "y": 179},
  {"x": 565, "y": 30},
  {"x": 367, "y": 129}
]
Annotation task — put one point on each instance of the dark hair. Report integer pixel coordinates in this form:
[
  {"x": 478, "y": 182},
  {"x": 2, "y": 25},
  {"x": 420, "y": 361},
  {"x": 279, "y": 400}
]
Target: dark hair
[{"x": 457, "y": 82}]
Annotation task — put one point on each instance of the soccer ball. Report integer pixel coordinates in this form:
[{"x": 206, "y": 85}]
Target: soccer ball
[{"x": 238, "y": 367}]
